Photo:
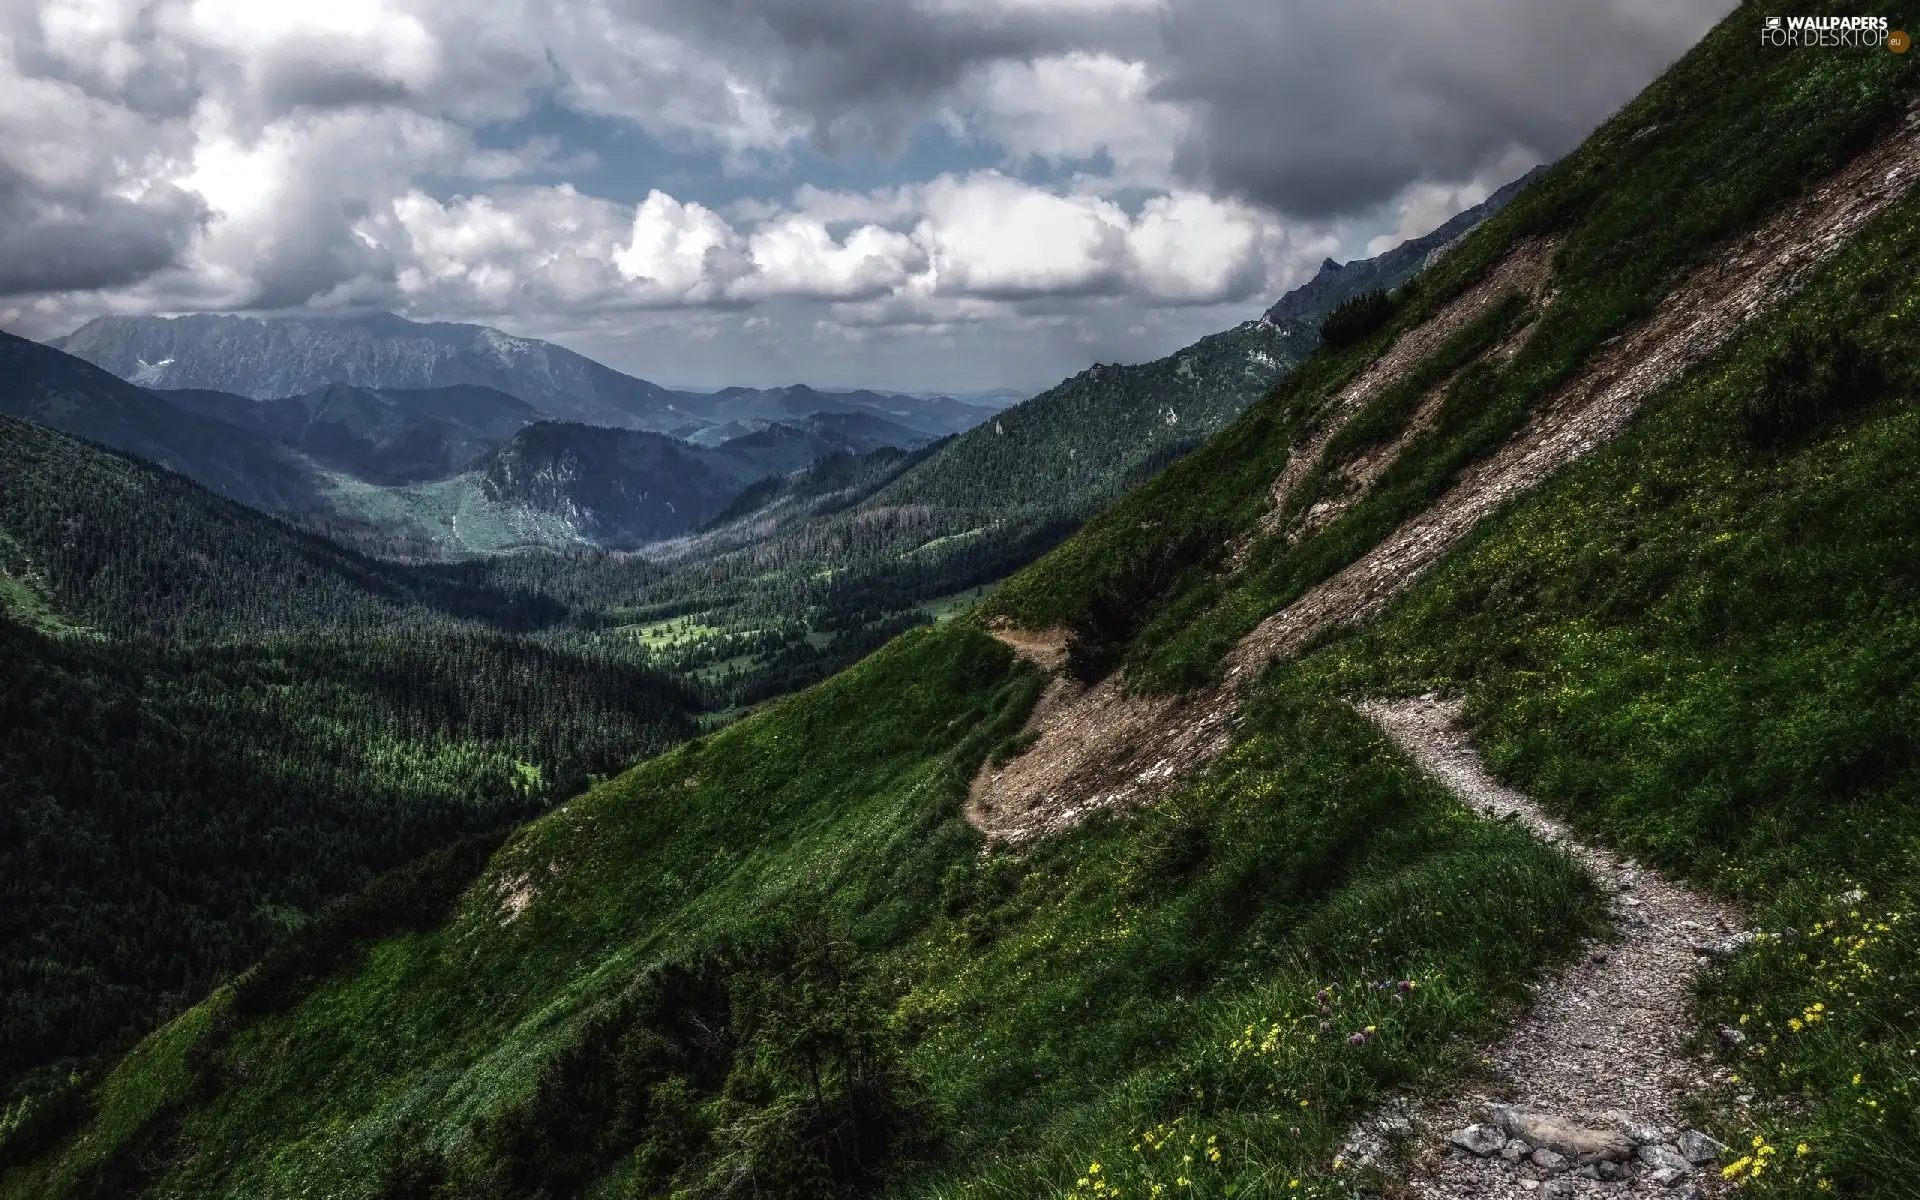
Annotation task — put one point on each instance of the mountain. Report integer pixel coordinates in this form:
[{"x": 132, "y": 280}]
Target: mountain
[
  {"x": 933, "y": 416},
  {"x": 618, "y": 488},
  {"x": 857, "y": 548},
  {"x": 1334, "y": 282},
  {"x": 856, "y": 432},
  {"x": 391, "y": 435},
  {"x": 216, "y": 724},
  {"x": 860, "y": 432},
  {"x": 63, "y": 392},
  {"x": 269, "y": 358},
  {"x": 1125, "y": 876}
]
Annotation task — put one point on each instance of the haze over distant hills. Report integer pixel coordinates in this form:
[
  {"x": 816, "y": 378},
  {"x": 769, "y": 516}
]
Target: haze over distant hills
[
  {"x": 270, "y": 358},
  {"x": 446, "y": 439}
]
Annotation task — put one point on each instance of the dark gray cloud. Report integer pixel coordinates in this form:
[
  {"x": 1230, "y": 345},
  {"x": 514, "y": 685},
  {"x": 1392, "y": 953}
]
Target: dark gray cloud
[
  {"x": 1162, "y": 158},
  {"x": 1326, "y": 107},
  {"x": 62, "y": 243},
  {"x": 862, "y": 73}
]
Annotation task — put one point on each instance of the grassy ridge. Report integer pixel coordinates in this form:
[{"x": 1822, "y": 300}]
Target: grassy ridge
[{"x": 1731, "y": 132}]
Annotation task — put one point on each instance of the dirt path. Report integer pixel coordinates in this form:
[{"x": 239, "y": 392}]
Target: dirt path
[
  {"x": 1602, "y": 1052},
  {"x": 1105, "y": 748}
]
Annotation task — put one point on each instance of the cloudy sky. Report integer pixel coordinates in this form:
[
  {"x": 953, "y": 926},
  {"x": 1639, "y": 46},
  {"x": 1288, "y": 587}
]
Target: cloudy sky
[{"x": 960, "y": 194}]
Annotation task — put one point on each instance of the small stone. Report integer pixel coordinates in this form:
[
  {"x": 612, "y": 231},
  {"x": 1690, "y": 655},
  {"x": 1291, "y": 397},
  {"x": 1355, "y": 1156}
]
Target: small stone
[
  {"x": 1560, "y": 1187},
  {"x": 1548, "y": 1161},
  {"x": 1729, "y": 1036},
  {"x": 1590, "y": 1171},
  {"x": 1610, "y": 1172},
  {"x": 1644, "y": 1135},
  {"x": 1692, "y": 1191},
  {"x": 1664, "y": 1158},
  {"x": 1699, "y": 1149},
  {"x": 1515, "y": 1150},
  {"x": 1478, "y": 1140},
  {"x": 1666, "y": 1176}
]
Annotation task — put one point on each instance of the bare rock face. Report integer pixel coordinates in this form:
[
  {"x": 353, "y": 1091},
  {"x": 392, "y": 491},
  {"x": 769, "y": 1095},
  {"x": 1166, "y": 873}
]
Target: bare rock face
[{"x": 1544, "y": 1130}]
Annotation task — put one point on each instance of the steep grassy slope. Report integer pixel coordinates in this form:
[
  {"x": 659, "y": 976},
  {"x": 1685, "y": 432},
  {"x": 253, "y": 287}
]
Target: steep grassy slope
[
  {"x": 540, "y": 1038},
  {"x": 778, "y": 961},
  {"x": 1696, "y": 158},
  {"x": 1704, "y": 646}
]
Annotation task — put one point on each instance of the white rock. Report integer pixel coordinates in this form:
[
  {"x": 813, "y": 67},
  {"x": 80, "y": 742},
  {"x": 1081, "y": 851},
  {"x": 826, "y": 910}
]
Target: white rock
[{"x": 1478, "y": 1140}]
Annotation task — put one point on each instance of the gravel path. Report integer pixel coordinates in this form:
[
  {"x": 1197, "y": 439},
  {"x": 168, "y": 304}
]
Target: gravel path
[{"x": 1603, "y": 1047}]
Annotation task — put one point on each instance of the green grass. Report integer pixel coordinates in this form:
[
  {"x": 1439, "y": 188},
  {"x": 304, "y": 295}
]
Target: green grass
[
  {"x": 1703, "y": 646},
  {"x": 1308, "y": 858},
  {"x": 945, "y": 608},
  {"x": 715, "y": 972},
  {"x": 1731, "y": 132},
  {"x": 453, "y": 514}
]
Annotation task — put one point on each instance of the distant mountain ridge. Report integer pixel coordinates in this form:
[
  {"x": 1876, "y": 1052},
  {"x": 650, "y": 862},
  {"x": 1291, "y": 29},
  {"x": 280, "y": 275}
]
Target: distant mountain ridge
[
  {"x": 1317, "y": 297},
  {"x": 288, "y": 356},
  {"x": 389, "y": 435},
  {"x": 271, "y": 358},
  {"x": 58, "y": 390}
]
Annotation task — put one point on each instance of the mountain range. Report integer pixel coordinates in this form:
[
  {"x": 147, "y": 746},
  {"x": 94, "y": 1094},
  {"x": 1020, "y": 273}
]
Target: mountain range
[
  {"x": 274, "y": 358},
  {"x": 1483, "y": 765},
  {"x": 453, "y": 439}
]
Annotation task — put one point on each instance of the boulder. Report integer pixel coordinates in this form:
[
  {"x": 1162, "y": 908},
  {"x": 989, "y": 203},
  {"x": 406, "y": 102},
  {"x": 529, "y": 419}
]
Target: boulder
[{"x": 1544, "y": 1130}]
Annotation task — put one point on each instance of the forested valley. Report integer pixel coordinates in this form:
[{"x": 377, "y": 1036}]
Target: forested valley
[{"x": 219, "y": 722}]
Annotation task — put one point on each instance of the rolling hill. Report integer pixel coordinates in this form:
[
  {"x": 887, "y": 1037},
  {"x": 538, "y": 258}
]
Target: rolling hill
[{"x": 68, "y": 394}]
